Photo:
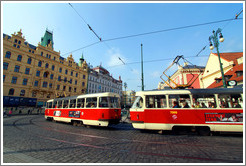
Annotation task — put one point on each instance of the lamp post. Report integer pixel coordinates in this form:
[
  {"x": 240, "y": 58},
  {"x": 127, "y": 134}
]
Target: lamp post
[
  {"x": 214, "y": 38},
  {"x": 125, "y": 85}
]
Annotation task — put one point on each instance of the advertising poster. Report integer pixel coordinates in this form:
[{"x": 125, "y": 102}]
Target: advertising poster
[{"x": 223, "y": 117}]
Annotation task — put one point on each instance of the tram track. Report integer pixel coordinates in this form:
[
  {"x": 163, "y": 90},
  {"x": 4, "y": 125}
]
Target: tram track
[{"x": 31, "y": 121}]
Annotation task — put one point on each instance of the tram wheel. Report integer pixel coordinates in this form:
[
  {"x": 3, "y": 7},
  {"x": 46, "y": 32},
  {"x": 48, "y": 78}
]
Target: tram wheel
[
  {"x": 79, "y": 123},
  {"x": 203, "y": 131},
  {"x": 74, "y": 123}
]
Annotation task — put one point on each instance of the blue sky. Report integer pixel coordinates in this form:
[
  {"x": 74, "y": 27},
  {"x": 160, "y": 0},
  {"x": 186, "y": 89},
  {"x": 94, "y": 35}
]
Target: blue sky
[{"x": 111, "y": 20}]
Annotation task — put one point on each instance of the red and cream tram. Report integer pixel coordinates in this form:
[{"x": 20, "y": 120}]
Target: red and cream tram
[
  {"x": 100, "y": 109},
  {"x": 203, "y": 110}
]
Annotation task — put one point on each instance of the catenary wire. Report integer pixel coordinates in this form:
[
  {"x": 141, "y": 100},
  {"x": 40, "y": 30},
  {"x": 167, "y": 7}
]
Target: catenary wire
[
  {"x": 96, "y": 35},
  {"x": 171, "y": 29},
  {"x": 130, "y": 36}
]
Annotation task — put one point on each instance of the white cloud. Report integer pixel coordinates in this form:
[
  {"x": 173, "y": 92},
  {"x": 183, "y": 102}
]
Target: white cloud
[
  {"x": 135, "y": 71},
  {"x": 155, "y": 74},
  {"x": 115, "y": 58}
]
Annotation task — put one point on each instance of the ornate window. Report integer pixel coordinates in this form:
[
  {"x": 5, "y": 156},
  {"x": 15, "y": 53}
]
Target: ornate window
[
  {"x": 8, "y": 54},
  {"x": 45, "y": 84},
  {"x": 5, "y": 65},
  {"x": 11, "y": 91},
  {"x": 39, "y": 63},
  {"x": 22, "y": 92},
  {"x": 36, "y": 83},
  {"x": 27, "y": 71},
  {"x": 14, "y": 80},
  {"x": 29, "y": 60},
  {"x": 24, "y": 81},
  {"x": 17, "y": 69},
  {"x": 19, "y": 58},
  {"x": 38, "y": 73}
]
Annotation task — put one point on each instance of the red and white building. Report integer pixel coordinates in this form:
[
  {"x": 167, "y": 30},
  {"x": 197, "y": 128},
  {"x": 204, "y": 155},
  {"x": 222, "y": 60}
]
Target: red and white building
[
  {"x": 232, "y": 66},
  {"x": 187, "y": 74}
]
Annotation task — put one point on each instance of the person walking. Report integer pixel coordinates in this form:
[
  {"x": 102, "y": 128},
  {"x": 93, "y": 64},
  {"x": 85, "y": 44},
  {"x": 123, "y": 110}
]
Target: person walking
[{"x": 10, "y": 113}]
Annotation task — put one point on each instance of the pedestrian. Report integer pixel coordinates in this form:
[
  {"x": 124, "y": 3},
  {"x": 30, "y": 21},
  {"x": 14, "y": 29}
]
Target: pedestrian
[
  {"x": 4, "y": 113},
  {"x": 10, "y": 113},
  {"x": 28, "y": 112}
]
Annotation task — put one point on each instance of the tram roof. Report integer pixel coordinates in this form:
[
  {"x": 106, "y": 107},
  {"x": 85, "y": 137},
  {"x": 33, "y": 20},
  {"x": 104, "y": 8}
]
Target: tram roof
[
  {"x": 86, "y": 95},
  {"x": 192, "y": 91}
]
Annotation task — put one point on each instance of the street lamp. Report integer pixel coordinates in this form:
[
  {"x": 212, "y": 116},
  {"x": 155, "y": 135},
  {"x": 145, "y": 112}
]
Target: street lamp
[
  {"x": 214, "y": 38},
  {"x": 125, "y": 85}
]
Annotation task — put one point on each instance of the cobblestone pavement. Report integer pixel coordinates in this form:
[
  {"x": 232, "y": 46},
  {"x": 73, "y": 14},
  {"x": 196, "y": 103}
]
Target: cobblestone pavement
[{"x": 32, "y": 139}]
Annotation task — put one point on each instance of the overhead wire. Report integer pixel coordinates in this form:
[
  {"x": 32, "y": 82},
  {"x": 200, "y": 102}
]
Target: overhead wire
[
  {"x": 123, "y": 37},
  {"x": 170, "y": 29},
  {"x": 100, "y": 39},
  {"x": 236, "y": 16},
  {"x": 148, "y": 33}
]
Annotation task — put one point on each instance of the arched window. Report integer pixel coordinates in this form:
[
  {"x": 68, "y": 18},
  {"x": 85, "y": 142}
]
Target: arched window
[
  {"x": 11, "y": 91},
  {"x": 22, "y": 92},
  {"x": 46, "y": 74},
  {"x": 8, "y": 54},
  {"x": 46, "y": 65},
  {"x": 53, "y": 67},
  {"x": 19, "y": 58}
]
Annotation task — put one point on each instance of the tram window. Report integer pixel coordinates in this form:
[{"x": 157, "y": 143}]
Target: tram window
[
  {"x": 230, "y": 101},
  {"x": 179, "y": 101},
  {"x": 103, "y": 102},
  {"x": 91, "y": 102},
  {"x": 114, "y": 102},
  {"x": 54, "y": 104},
  {"x": 156, "y": 101},
  {"x": 49, "y": 104},
  {"x": 138, "y": 103},
  {"x": 65, "y": 104},
  {"x": 59, "y": 104},
  {"x": 80, "y": 103},
  {"x": 204, "y": 101},
  {"x": 72, "y": 103}
]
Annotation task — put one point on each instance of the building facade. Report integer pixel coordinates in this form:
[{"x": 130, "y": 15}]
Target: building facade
[
  {"x": 185, "y": 75},
  {"x": 128, "y": 98},
  {"x": 34, "y": 74},
  {"x": 100, "y": 80},
  {"x": 232, "y": 67}
]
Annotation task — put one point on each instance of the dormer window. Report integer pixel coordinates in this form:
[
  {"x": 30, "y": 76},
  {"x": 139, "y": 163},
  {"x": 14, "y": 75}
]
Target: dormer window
[
  {"x": 218, "y": 80},
  {"x": 239, "y": 73},
  {"x": 227, "y": 77}
]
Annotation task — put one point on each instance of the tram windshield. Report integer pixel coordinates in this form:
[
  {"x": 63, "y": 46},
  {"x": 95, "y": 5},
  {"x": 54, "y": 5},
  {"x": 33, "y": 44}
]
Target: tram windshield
[
  {"x": 112, "y": 102},
  {"x": 138, "y": 103}
]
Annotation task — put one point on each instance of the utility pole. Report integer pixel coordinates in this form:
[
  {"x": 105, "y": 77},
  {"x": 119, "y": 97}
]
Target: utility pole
[{"x": 142, "y": 67}]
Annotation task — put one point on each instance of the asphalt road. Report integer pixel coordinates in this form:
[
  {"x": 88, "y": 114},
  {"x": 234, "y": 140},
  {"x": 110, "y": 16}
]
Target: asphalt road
[{"x": 32, "y": 139}]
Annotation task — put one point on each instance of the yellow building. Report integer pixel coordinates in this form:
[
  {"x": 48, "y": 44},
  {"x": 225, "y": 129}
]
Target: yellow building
[{"x": 34, "y": 74}]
